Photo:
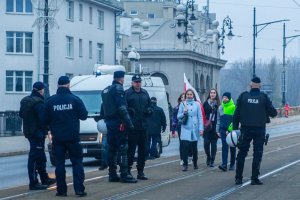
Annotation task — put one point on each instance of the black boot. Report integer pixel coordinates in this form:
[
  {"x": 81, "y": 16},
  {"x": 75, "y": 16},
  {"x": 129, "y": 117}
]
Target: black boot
[
  {"x": 256, "y": 181},
  {"x": 141, "y": 176},
  {"x": 127, "y": 179},
  {"x": 207, "y": 160}
]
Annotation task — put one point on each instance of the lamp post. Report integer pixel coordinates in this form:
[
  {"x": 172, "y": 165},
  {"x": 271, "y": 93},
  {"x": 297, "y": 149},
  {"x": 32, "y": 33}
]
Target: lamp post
[
  {"x": 133, "y": 56},
  {"x": 184, "y": 11},
  {"x": 285, "y": 43},
  {"x": 227, "y": 22},
  {"x": 256, "y": 31}
]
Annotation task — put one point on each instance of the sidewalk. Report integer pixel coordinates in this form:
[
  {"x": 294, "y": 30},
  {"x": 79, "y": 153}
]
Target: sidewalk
[{"x": 18, "y": 145}]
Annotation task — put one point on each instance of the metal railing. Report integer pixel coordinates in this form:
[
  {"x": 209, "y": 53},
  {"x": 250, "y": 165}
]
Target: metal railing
[{"x": 10, "y": 123}]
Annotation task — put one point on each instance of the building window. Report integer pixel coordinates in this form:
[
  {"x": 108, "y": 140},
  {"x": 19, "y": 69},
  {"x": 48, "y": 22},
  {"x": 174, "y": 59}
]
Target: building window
[
  {"x": 90, "y": 15},
  {"x": 80, "y": 47},
  {"x": 90, "y": 49},
  {"x": 133, "y": 12},
  {"x": 18, "y": 6},
  {"x": 70, "y": 46},
  {"x": 70, "y": 10},
  {"x": 18, "y": 81},
  {"x": 19, "y": 42},
  {"x": 80, "y": 12},
  {"x": 100, "y": 19},
  {"x": 99, "y": 53},
  {"x": 150, "y": 15}
]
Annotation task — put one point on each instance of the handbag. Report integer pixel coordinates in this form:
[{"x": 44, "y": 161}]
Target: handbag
[
  {"x": 185, "y": 117},
  {"x": 208, "y": 125}
]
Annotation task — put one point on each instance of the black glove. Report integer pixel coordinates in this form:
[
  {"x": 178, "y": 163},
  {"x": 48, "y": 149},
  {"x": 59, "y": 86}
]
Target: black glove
[{"x": 163, "y": 129}]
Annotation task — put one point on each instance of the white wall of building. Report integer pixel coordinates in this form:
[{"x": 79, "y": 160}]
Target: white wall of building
[{"x": 59, "y": 63}]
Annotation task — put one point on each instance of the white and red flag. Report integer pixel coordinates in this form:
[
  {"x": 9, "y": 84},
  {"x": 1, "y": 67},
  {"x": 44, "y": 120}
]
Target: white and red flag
[{"x": 187, "y": 86}]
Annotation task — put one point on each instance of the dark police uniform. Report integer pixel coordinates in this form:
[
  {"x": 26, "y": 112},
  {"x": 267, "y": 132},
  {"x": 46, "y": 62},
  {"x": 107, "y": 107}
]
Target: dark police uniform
[
  {"x": 253, "y": 110},
  {"x": 140, "y": 105},
  {"x": 31, "y": 111},
  {"x": 117, "y": 119},
  {"x": 63, "y": 112}
]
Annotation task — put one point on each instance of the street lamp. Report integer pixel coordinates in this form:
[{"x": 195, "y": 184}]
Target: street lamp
[
  {"x": 184, "y": 17},
  {"x": 285, "y": 43},
  {"x": 255, "y": 33},
  {"x": 133, "y": 56},
  {"x": 227, "y": 22}
]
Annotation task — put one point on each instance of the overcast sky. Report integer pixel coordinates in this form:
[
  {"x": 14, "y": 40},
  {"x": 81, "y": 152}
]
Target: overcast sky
[{"x": 269, "y": 40}]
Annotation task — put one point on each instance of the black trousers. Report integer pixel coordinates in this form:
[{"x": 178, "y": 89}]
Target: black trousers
[
  {"x": 210, "y": 147},
  {"x": 188, "y": 147},
  {"x": 247, "y": 135},
  {"x": 75, "y": 152},
  {"x": 137, "y": 138}
]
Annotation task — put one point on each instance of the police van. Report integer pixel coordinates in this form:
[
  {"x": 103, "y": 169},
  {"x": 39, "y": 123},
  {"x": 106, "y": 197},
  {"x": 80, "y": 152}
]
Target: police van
[{"x": 89, "y": 87}]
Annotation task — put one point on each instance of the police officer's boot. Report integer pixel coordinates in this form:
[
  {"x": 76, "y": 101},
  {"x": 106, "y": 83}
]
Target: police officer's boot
[
  {"x": 112, "y": 171},
  {"x": 141, "y": 176},
  {"x": 255, "y": 173},
  {"x": 239, "y": 173},
  {"x": 125, "y": 176}
]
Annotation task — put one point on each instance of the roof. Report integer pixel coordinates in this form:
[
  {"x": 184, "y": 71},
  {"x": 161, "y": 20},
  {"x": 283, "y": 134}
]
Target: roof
[
  {"x": 96, "y": 83},
  {"x": 111, "y": 4}
]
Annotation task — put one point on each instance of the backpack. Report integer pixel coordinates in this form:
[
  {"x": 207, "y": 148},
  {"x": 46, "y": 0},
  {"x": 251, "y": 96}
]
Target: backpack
[{"x": 28, "y": 115}]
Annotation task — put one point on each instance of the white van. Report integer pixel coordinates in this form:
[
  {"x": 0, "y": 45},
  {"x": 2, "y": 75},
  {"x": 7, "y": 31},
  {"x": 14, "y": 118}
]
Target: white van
[{"x": 89, "y": 87}]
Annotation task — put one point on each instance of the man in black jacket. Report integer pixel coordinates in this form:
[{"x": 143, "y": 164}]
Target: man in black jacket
[
  {"x": 31, "y": 111},
  {"x": 253, "y": 110},
  {"x": 138, "y": 102},
  {"x": 63, "y": 112},
  {"x": 156, "y": 124}
]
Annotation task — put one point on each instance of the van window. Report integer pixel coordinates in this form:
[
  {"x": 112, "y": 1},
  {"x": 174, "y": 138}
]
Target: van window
[{"x": 91, "y": 99}]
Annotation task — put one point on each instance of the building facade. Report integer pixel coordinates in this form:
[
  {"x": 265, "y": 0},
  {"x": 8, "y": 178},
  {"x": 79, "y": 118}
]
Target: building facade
[
  {"x": 83, "y": 35},
  {"x": 157, "y": 35}
]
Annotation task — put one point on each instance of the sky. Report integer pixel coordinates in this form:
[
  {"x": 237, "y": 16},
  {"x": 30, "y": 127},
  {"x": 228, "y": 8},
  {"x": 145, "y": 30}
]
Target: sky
[{"x": 269, "y": 41}]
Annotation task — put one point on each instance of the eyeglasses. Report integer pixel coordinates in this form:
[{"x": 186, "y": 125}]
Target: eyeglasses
[{"x": 137, "y": 81}]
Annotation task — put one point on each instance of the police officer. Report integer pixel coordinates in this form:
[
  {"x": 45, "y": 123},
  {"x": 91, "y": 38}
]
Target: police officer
[
  {"x": 31, "y": 111},
  {"x": 253, "y": 110},
  {"x": 63, "y": 112},
  {"x": 117, "y": 119},
  {"x": 138, "y": 101}
]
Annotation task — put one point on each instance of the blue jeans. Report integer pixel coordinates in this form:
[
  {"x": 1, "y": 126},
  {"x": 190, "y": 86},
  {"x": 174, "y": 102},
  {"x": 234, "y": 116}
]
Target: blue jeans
[
  {"x": 152, "y": 142},
  {"x": 225, "y": 148},
  {"x": 104, "y": 151}
]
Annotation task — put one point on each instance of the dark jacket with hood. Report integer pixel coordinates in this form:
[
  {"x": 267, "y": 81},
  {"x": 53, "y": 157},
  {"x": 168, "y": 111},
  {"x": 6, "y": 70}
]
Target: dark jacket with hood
[
  {"x": 32, "y": 111},
  {"x": 157, "y": 121}
]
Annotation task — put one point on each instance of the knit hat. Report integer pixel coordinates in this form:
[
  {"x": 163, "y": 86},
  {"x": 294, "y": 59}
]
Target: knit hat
[
  {"x": 227, "y": 94},
  {"x": 38, "y": 85},
  {"x": 119, "y": 74},
  {"x": 153, "y": 99},
  {"x": 63, "y": 80},
  {"x": 256, "y": 80}
]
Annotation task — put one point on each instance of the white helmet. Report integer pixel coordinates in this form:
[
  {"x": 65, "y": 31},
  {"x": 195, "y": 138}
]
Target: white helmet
[
  {"x": 232, "y": 138},
  {"x": 101, "y": 126}
]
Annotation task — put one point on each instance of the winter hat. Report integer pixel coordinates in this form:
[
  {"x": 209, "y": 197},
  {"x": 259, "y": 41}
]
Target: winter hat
[
  {"x": 38, "y": 85},
  {"x": 63, "y": 80},
  {"x": 153, "y": 99},
  {"x": 227, "y": 94},
  {"x": 119, "y": 74},
  {"x": 256, "y": 80}
]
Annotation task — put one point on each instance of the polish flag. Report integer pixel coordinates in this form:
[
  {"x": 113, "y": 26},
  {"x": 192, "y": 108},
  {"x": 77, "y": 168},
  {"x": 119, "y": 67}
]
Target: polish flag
[{"x": 187, "y": 86}]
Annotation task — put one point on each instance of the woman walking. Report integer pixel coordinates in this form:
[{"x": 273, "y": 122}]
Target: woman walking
[
  {"x": 191, "y": 129},
  {"x": 176, "y": 125},
  {"x": 210, "y": 135}
]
